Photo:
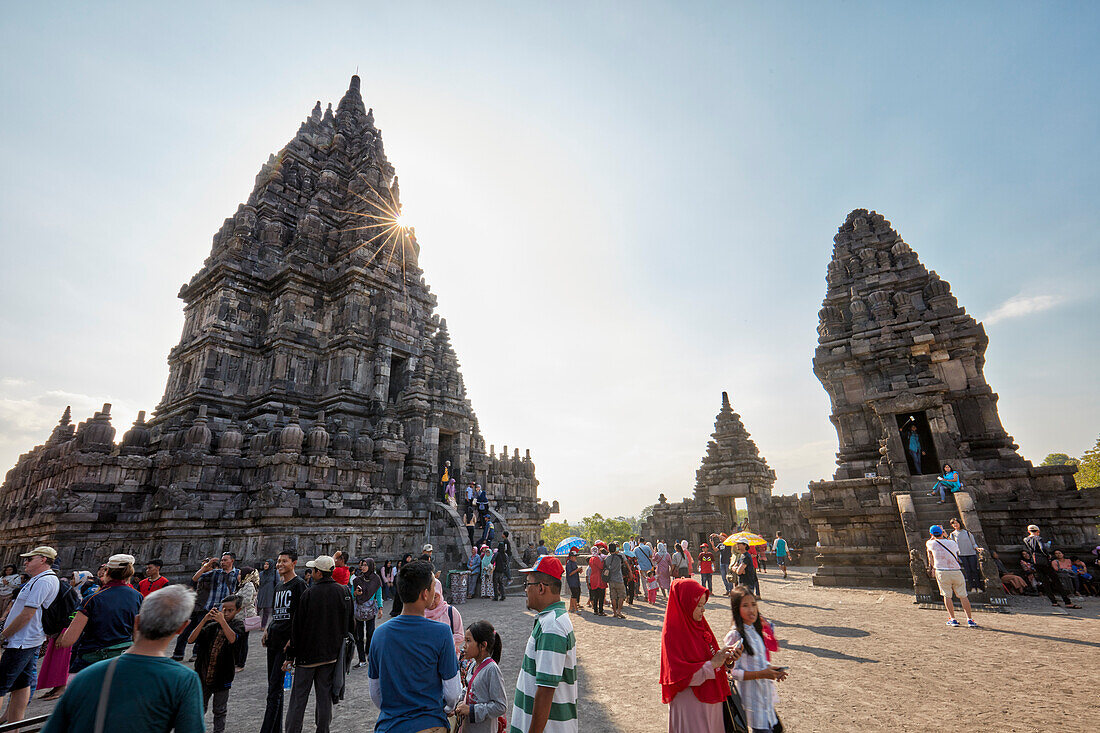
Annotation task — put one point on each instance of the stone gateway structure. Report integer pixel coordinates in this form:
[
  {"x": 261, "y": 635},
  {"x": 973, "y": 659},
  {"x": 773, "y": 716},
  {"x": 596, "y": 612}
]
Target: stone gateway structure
[
  {"x": 314, "y": 399},
  {"x": 732, "y": 469},
  {"x": 899, "y": 357}
]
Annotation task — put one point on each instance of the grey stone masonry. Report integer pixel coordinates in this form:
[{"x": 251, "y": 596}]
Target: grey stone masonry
[
  {"x": 313, "y": 400},
  {"x": 898, "y": 355}
]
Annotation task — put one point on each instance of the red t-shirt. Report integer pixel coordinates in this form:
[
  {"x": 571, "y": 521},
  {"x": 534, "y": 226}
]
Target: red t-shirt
[
  {"x": 146, "y": 586},
  {"x": 342, "y": 575},
  {"x": 706, "y": 562}
]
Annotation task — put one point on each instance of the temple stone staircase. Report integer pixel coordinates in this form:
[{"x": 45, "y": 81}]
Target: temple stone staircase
[
  {"x": 926, "y": 511},
  {"x": 929, "y": 512}
]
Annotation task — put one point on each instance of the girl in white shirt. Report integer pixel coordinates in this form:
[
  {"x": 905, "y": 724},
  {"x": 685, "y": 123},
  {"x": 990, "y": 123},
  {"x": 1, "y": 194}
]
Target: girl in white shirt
[{"x": 752, "y": 672}]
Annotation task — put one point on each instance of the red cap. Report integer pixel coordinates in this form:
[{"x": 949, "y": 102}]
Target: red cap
[
  {"x": 548, "y": 565},
  {"x": 599, "y": 543}
]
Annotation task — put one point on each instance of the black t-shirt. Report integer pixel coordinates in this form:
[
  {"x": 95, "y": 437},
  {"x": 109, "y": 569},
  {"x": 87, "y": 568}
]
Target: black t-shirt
[{"x": 286, "y": 603}]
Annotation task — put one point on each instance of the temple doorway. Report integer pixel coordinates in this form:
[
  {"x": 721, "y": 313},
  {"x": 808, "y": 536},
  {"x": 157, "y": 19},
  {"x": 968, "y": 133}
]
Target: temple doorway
[
  {"x": 447, "y": 453},
  {"x": 929, "y": 462},
  {"x": 741, "y": 513}
]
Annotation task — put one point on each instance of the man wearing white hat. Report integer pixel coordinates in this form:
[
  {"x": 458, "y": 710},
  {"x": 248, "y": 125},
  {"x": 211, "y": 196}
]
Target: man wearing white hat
[{"x": 23, "y": 632}]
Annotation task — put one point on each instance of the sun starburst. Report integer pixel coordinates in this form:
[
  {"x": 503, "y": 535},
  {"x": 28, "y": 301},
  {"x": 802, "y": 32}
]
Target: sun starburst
[{"x": 389, "y": 226}]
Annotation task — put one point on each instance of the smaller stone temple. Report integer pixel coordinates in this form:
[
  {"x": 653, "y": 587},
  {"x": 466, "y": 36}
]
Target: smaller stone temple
[
  {"x": 731, "y": 469},
  {"x": 901, "y": 361}
]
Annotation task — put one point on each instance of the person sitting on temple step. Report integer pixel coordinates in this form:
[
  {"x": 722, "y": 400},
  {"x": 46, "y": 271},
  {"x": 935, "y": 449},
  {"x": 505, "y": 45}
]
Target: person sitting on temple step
[{"x": 949, "y": 482}]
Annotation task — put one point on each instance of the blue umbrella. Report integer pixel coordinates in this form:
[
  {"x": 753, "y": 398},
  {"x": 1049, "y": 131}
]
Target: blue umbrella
[{"x": 568, "y": 544}]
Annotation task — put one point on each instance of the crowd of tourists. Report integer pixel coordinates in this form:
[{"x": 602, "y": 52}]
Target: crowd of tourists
[
  {"x": 99, "y": 643},
  {"x": 113, "y": 645}
]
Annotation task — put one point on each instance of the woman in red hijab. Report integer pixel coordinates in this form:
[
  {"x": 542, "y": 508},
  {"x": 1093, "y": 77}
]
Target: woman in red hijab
[{"x": 693, "y": 663}]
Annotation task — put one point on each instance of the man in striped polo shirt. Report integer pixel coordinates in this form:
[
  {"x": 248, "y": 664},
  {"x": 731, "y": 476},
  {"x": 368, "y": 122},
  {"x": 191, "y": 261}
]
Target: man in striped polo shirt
[{"x": 546, "y": 690}]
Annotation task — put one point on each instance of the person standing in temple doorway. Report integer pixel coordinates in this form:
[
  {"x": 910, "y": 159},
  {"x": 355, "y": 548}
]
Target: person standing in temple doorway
[
  {"x": 444, "y": 480},
  {"x": 912, "y": 444}
]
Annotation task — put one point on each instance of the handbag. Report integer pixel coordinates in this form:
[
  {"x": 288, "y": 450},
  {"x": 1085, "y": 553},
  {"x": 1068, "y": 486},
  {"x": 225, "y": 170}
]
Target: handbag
[
  {"x": 366, "y": 610},
  {"x": 253, "y": 623},
  {"x": 733, "y": 713},
  {"x": 108, "y": 652}
]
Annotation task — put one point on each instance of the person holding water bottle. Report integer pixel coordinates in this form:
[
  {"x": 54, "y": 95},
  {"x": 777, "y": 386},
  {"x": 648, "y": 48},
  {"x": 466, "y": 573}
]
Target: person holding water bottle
[{"x": 287, "y": 592}]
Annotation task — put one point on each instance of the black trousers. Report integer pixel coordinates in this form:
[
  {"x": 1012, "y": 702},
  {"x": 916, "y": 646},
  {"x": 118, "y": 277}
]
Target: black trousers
[
  {"x": 499, "y": 581},
  {"x": 1051, "y": 584},
  {"x": 597, "y": 598},
  {"x": 273, "y": 714},
  {"x": 181, "y": 641},
  {"x": 363, "y": 632},
  {"x": 470, "y": 531},
  {"x": 397, "y": 604},
  {"x": 971, "y": 571}
]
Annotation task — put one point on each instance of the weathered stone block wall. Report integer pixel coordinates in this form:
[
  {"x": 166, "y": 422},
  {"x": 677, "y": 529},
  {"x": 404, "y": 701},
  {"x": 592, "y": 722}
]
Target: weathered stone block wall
[{"x": 862, "y": 539}]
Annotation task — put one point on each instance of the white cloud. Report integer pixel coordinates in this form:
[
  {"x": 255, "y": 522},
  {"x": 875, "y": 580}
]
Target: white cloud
[{"x": 1022, "y": 305}]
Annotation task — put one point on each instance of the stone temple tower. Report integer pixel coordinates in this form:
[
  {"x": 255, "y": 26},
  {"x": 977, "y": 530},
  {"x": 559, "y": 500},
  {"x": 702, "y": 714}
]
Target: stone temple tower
[
  {"x": 314, "y": 399},
  {"x": 897, "y": 354}
]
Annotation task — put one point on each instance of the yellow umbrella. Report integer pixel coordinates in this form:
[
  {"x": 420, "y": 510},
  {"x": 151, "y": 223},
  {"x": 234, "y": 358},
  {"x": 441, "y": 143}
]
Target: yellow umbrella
[{"x": 747, "y": 537}]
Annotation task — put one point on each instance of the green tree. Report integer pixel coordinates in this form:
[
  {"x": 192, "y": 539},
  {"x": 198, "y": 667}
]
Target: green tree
[
  {"x": 1088, "y": 471},
  {"x": 596, "y": 527},
  {"x": 555, "y": 532},
  {"x": 1059, "y": 459}
]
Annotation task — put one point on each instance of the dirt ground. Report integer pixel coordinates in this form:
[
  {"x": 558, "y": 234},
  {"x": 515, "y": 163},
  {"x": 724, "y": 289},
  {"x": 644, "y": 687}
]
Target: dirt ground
[{"x": 860, "y": 660}]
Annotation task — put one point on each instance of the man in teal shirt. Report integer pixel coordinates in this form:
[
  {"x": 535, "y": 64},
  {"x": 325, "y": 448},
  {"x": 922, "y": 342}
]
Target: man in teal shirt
[
  {"x": 780, "y": 547},
  {"x": 149, "y": 693}
]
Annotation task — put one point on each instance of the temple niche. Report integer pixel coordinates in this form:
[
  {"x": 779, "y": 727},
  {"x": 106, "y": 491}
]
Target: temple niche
[
  {"x": 312, "y": 401},
  {"x": 731, "y": 469},
  {"x": 896, "y": 351}
]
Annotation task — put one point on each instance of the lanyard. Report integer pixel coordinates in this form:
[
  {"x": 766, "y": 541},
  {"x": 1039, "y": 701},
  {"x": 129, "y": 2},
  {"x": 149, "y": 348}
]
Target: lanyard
[{"x": 470, "y": 685}]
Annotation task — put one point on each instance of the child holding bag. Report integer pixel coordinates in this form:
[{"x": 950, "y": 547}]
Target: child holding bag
[
  {"x": 483, "y": 706},
  {"x": 753, "y": 673}
]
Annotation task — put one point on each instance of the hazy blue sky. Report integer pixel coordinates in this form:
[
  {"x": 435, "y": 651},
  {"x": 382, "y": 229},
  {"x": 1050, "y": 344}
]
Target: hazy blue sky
[{"x": 624, "y": 208}]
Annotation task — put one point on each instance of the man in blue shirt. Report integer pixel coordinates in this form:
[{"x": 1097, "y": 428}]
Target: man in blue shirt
[
  {"x": 224, "y": 578},
  {"x": 413, "y": 668}
]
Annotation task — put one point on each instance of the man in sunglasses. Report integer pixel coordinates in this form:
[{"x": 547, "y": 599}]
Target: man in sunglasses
[{"x": 546, "y": 701}]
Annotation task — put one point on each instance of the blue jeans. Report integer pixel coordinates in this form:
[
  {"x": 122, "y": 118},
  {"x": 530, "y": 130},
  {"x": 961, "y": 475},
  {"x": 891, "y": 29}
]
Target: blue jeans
[
  {"x": 706, "y": 579},
  {"x": 915, "y": 455},
  {"x": 18, "y": 669}
]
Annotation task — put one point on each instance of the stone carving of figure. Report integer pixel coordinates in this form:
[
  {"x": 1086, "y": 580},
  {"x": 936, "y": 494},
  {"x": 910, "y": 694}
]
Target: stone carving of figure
[{"x": 922, "y": 581}]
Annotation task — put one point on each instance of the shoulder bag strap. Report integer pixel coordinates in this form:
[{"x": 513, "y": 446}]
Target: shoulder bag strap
[
  {"x": 949, "y": 550},
  {"x": 104, "y": 696}
]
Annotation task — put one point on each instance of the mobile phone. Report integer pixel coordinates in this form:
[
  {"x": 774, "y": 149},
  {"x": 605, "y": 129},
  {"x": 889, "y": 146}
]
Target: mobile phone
[{"x": 781, "y": 669}]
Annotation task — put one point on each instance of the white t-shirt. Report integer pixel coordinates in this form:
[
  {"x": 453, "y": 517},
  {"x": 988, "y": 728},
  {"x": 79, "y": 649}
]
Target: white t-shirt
[
  {"x": 38, "y": 593},
  {"x": 8, "y": 584},
  {"x": 941, "y": 549}
]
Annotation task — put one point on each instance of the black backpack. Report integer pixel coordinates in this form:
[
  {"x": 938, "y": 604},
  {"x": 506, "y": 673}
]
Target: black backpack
[{"x": 56, "y": 616}]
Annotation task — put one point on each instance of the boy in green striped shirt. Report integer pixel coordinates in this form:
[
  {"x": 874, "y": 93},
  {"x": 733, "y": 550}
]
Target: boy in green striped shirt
[{"x": 546, "y": 690}]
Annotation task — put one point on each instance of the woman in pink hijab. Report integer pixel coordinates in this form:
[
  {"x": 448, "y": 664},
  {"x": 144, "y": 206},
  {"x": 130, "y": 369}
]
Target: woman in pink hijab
[{"x": 445, "y": 613}]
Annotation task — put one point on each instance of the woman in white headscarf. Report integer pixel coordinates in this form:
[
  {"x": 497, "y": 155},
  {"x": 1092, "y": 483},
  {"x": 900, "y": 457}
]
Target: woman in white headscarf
[{"x": 663, "y": 563}]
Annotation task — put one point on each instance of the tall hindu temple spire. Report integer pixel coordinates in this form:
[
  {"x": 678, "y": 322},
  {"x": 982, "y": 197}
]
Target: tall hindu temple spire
[{"x": 352, "y": 101}]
